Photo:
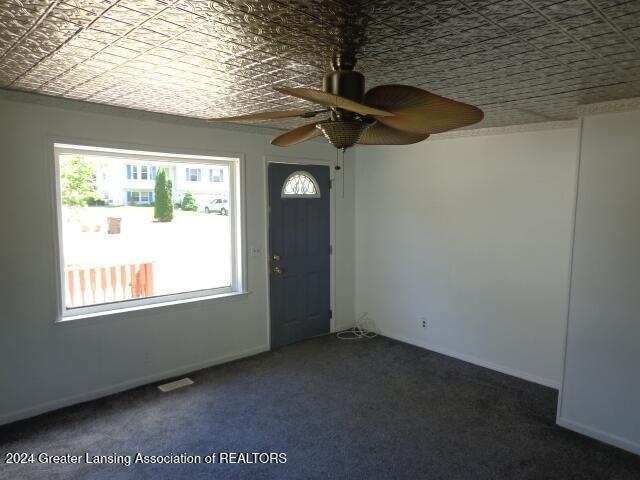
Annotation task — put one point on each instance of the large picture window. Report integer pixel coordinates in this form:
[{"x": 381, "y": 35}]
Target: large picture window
[{"x": 122, "y": 247}]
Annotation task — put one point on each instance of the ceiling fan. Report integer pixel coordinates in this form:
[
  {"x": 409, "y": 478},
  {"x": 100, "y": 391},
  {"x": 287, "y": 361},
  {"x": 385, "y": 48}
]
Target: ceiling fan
[{"x": 384, "y": 115}]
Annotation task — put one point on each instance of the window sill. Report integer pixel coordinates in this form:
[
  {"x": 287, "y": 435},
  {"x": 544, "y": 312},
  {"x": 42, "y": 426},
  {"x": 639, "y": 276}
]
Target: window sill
[{"x": 68, "y": 320}]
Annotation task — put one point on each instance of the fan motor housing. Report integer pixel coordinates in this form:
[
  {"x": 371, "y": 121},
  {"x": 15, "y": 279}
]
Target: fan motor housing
[{"x": 346, "y": 83}]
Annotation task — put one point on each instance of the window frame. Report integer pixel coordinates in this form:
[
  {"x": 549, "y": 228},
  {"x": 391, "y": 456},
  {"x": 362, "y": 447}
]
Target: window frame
[
  {"x": 132, "y": 171},
  {"x": 238, "y": 286},
  {"x": 216, "y": 178},
  {"x": 139, "y": 201},
  {"x": 198, "y": 172}
]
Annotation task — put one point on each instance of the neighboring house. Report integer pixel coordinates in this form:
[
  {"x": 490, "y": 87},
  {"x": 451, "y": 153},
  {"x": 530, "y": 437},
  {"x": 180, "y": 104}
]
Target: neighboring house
[{"x": 132, "y": 182}]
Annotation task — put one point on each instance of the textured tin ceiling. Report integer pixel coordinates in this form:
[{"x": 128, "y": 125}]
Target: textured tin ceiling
[{"x": 519, "y": 60}]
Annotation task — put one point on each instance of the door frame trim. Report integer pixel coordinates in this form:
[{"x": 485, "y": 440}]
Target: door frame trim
[{"x": 268, "y": 159}]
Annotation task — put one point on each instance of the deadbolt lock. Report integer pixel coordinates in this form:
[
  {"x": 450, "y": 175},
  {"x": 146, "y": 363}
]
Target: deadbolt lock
[{"x": 275, "y": 258}]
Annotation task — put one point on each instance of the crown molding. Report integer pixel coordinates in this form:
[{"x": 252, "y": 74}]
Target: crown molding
[
  {"x": 614, "y": 106},
  {"x": 506, "y": 129},
  {"x": 100, "y": 108}
]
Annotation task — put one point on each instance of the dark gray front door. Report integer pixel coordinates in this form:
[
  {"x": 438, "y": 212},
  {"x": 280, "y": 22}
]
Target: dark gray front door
[{"x": 298, "y": 252}]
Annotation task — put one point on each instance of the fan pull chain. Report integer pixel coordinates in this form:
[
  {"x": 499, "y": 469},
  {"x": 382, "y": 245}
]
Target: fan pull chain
[
  {"x": 341, "y": 168},
  {"x": 343, "y": 172},
  {"x": 337, "y": 167}
]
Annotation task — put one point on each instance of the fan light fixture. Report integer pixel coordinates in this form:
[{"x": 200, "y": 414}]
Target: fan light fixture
[{"x": 342, "y": 134}]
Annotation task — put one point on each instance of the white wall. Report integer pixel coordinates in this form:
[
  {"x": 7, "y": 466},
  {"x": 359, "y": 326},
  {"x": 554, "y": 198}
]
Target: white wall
[
  {"x": 44, "y": 365},
  {"x": 601, "y": 388},
  {"x": 474, "y": 234}
]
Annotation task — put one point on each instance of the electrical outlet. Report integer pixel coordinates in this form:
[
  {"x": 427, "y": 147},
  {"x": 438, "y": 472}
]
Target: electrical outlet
[{"x": 424, "y": 322}]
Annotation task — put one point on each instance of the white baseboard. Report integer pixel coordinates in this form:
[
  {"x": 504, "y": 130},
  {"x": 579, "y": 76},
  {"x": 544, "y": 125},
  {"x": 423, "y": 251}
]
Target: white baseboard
[
  {"x": 127, "y": 385},
  {"x": 601, "y": 435},
  {"x": 476, "y": 361}
]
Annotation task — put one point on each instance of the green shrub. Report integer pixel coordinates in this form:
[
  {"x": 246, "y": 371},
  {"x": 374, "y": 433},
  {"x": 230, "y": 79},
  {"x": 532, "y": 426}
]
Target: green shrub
[
  {"x": 189, "y": 203},
  {"x": 95, "y": 200},
  {"x": 163, "y": 191}
]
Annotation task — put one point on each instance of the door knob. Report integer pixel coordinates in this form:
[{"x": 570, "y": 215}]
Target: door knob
[{"x": 276, "y": 270}]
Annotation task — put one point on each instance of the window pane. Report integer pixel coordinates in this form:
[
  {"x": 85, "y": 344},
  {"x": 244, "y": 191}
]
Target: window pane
[
  {"x": 144, "y": 172},
  {"x": 193, "y": 174},
  {"x": 107, "y": 255},
  {"x": 216, "y": 175},
  {"x": 300, "y": 184}
]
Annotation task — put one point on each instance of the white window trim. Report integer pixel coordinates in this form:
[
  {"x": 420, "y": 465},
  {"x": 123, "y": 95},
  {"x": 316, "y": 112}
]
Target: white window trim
[
  {"x": 139, "y": 193},
  {"x": 198, "y": 172},
  {"x": 219, "y": 177},
  {"x": 238, "y": 249},
  {"x": 134, "y": 171}
]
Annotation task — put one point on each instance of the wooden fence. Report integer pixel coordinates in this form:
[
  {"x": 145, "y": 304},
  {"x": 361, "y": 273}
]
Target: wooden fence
[{"x": 92, "y": 285}]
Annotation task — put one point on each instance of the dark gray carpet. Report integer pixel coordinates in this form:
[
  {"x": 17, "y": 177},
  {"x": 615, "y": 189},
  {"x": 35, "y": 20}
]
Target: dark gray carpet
[{"x": 376, "y": 409}]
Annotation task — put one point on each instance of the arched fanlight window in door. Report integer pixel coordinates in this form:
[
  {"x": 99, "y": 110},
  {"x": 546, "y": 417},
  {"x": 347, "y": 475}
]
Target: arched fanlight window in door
[{"x": 300, "y": 185}]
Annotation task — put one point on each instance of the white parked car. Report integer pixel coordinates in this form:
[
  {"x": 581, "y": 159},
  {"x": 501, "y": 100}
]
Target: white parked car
[{"x": 217, "y": 205}]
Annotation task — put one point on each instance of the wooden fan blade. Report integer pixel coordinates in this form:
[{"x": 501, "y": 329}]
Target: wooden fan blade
[
  {"x": 297, "y": 135},
  {"x": 331, "y": 100},
  {"x": 418, "y": 111},
  {"x": 256, "y": 117},
  {"x": 380, "y": 134}
]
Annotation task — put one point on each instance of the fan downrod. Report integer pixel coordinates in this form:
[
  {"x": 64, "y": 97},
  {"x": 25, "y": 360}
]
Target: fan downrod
[
  {"x": 343, "y": 61},
  {"x": 343, "y": 80}
]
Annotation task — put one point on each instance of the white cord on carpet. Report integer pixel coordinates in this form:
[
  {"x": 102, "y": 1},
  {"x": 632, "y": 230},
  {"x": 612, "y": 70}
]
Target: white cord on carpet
[{"x": 364, "y": 328}]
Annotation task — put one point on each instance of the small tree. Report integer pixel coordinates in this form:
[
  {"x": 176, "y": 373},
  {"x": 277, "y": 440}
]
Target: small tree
[
  {"x": 78, "y": 182},
  {"x": 163, "y": 206},
  {"x": 189, "y": 203}
]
